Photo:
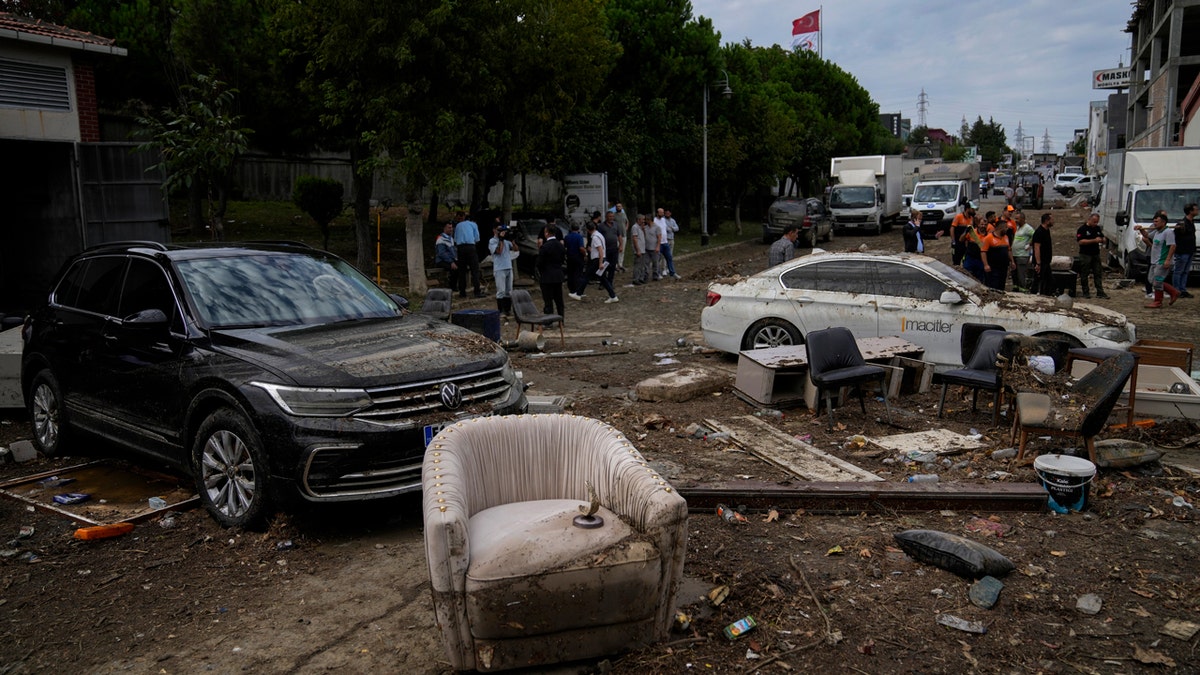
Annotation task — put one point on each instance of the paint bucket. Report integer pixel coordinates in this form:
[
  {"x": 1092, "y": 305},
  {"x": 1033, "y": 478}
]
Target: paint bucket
[{"x": 1066, "y": 479}]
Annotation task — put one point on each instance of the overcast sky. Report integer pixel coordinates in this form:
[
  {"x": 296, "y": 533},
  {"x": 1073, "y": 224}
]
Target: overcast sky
[{"x": 1017, "y": 61}]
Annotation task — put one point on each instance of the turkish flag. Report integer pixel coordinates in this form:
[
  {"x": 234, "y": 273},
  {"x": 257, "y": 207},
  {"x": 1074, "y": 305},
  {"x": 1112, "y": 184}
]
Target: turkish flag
[{"x": 809, "y": 23}]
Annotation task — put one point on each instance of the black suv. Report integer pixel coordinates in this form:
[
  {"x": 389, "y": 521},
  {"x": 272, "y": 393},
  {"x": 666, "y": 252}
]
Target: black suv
[{"x": 265, "y": 371}]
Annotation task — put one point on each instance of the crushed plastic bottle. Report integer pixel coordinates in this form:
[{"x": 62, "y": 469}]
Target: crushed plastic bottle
[
  {"x": 157, "y": 503},
  {"x": 1182, "y": 503},
  {"x": 923, "y": 478},
  {"x": 730, "y": 515}
]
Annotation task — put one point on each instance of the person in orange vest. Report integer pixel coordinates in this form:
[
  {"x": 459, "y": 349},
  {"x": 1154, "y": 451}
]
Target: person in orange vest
[{"x": 962, "y": 222}]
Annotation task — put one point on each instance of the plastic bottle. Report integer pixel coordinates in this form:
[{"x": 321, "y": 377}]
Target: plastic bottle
[
  {"x": 923, "y": 478},
  {"x": 158, "y": 503}
]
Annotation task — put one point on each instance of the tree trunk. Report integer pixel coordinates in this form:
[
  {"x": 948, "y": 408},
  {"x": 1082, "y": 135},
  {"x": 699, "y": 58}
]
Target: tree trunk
[
  {"x": 506, "y": 200},
  {"x": 196, "y": 219},
  {"x": 432, "y": 221},
  {"x": 362, "y": 188},
  {"x": 737, "y": 213},
  {"x": 414, "y": 238}
]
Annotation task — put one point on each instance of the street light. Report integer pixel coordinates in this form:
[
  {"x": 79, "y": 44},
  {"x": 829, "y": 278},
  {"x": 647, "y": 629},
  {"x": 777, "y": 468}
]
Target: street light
[{"x": 726, "y": 92}]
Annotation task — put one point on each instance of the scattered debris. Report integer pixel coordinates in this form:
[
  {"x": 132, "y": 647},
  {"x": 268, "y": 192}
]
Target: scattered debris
[
  {"x": 730, "y": 515},
  {"x": 985, "y": 592},
  {"x": 740, "y": 627},
  {"x": 1089, "y": 603},
  {"x": 953, "y": 553},
  {"x": 1180, "y": 630},
  {"x": 961, "y": 624}
]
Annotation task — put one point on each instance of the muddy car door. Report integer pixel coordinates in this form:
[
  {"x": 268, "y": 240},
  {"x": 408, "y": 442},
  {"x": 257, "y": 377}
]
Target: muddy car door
[
  {"x": 911, "y": 306},
  {"x": 827, "y": 293}
]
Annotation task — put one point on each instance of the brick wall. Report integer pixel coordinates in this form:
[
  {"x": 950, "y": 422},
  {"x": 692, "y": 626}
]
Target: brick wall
[{"x": 85, "y": 98}]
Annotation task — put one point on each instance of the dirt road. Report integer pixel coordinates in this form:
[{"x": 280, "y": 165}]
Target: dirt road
[{"x": 346, "y": 588}]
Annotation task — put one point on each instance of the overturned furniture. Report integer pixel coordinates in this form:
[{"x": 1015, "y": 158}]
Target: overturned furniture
[
  {"x": 1083, "y": 411},
  {"x": 521, "y": 576}
]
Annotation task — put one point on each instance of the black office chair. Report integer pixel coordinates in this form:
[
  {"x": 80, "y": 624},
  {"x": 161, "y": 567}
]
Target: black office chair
[
  {"x": 1096, "y": 393},
  {"x": 970, "y": 337},
  {"x": 834, "y": 361},
  {"x": 978, "y": 372},
  {"x": 526, "y": 312},
  {"x": 437, "y": 303}
]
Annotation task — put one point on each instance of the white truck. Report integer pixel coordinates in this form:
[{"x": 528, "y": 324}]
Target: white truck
[
  {"x": 944, "y": 191},
  {"x": 868, "y": 193},
  {"x": 1139, "y": 182}
]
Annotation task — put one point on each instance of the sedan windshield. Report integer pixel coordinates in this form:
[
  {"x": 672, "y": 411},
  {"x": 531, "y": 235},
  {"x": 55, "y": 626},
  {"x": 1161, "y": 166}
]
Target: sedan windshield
[{"x": 280, "y": 289}]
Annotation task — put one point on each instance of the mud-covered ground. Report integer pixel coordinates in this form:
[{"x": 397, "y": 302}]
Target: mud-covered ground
[{"x": 345, "y": 588}]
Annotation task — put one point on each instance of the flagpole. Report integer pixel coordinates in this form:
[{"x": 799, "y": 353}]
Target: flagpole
[{"x": 821, "y": 33}]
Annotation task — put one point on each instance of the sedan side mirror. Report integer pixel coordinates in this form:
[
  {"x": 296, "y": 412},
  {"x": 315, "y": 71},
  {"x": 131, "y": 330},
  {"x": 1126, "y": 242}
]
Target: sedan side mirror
[{"x": 950, "y": 298}]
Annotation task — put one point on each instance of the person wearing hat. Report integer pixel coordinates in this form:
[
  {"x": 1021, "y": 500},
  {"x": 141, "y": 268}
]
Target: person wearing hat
[{"x": 503, "y": 252}]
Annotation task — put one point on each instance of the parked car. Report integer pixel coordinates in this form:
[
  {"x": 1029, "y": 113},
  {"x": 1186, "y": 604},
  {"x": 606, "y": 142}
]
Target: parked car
[
  {"x": 265, "y": 371},
  {"x": 528, "y": 243},
  {"x": 1071, "y": 183},
  {"x": 810, "y": 215},
  {"x": 916, "y": 297},
  {"x": 1002, "y": 181}
]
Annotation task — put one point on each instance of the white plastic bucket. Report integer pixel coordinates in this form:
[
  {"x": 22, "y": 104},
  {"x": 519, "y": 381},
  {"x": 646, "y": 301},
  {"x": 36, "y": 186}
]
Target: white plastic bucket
[{"x": 1066, "y": 479}]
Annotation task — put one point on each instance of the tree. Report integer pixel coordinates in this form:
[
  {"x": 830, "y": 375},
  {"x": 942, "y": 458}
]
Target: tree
[
  {"x": 321, "y": 199},
  {"x": 199, "y": 141},
  {"x": 990, "y": 138}
]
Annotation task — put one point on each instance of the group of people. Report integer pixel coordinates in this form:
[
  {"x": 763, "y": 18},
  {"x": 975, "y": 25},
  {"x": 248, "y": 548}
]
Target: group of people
[
  {"x": 1171, "y": 253},
  {"x": 592, "y": 253}
]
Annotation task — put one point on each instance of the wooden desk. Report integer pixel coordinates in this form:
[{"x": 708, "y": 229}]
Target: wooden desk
[{"x": 779, "y": 375}]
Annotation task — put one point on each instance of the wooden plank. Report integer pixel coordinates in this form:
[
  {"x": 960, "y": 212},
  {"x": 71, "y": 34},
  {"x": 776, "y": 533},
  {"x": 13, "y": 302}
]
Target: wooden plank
[
  {"x": 851, "y": 498},
  {"x": 794, "y": 456}
]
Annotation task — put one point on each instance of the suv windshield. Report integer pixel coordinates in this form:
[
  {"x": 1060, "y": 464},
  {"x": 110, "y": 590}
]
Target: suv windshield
[
  {"x": 852, "y": 196},
  {"x": 280, "y": 289}
]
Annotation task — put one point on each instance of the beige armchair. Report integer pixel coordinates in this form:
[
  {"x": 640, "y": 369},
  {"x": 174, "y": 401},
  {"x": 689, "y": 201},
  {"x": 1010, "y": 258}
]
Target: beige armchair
[{"x": 515, "y": 581}]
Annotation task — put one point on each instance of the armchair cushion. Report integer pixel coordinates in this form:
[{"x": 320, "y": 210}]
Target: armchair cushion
[
  {"x": 848, "y": 374},
  {"x": 527, "y": 555}
]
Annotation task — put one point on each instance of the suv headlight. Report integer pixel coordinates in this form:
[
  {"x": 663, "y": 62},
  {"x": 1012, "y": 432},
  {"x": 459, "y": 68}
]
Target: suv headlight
[
  {"x": 316, "y": 401},
  {"x": 1110, "y": 333}
]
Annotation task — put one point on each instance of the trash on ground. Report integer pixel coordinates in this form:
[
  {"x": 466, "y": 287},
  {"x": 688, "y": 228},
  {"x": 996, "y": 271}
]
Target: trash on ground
[
  {"x": 961, "y": 624},
  {"x": 103, "y": 531},
  {"x": 936, "y": 441},
  {"x": 1180, "y": 630},
  {"x": 1089, "y": 603},
  {"x": 740, "y": 627},
  {"x": 985, "y": 592},
  {"x": 1121, "y": 453},
  {"x": 730, "y": 515},
  {"x": 988, "y": 526},
  {"x": 717, "y": 595},
  {"x": 953, "y": 553}
]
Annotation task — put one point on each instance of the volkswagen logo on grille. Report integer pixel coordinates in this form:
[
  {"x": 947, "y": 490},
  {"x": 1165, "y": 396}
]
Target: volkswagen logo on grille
[{"x": 451, "y": 396}]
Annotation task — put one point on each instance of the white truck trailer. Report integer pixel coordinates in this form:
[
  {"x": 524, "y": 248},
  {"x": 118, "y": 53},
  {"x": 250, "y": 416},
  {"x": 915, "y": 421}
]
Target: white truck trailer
[
  {"x": 868, "y": 193},
  {"x": 944, "y": 191},
  {"x": 1140, "y": 182}
]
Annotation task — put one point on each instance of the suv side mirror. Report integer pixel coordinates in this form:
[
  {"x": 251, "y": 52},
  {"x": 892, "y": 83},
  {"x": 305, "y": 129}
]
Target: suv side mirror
[{"x": 146, "y": 319}]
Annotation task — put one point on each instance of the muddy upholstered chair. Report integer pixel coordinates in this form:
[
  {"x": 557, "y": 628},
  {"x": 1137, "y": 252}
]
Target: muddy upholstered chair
[{"x": 520, "y": 575}]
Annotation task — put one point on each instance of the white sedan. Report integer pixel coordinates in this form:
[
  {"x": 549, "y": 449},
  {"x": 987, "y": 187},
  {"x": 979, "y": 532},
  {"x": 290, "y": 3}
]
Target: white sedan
[{"x": 916, "y": 297}]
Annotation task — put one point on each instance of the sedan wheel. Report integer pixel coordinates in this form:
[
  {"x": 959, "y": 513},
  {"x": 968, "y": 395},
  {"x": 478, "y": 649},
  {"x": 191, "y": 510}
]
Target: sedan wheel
[
  {"x": 231, "y": 470},
  {"x": 47, "y": 414},
  {"x": 771, "y": 333}
]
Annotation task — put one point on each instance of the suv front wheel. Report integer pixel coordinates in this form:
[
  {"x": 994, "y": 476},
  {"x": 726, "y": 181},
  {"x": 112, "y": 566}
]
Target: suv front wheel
[
  {"x": 46, "y": 411},
  {"x": 230, "y": 468}
]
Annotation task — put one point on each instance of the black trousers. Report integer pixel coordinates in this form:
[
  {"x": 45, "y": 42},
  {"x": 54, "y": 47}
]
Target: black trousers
[
  {"x": 552, "y": 298},
  {"x": 468, "y": 258}
]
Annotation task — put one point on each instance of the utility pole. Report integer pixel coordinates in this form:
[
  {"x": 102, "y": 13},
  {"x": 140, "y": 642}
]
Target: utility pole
[
  {"x": 1046, "y": 142},
  {"x": 922, "y": 108}
]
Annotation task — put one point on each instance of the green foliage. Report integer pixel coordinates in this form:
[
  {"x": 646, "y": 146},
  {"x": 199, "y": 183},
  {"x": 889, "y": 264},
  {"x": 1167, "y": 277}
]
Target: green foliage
[
  {"x": 990, "y": 138},
  {"x": 198, "y": 141},
  {"x": 1079, "y": 147},
  {"x": 321, "y": 199},
  {"x": 954, "y": 153}
]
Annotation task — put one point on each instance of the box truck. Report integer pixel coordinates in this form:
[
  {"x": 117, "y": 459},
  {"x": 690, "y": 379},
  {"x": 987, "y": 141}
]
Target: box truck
[
  {"x": 1139, "y": 182},
  {"x": 868, "y": 193},
  {"x": 944, "y": 191}
]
